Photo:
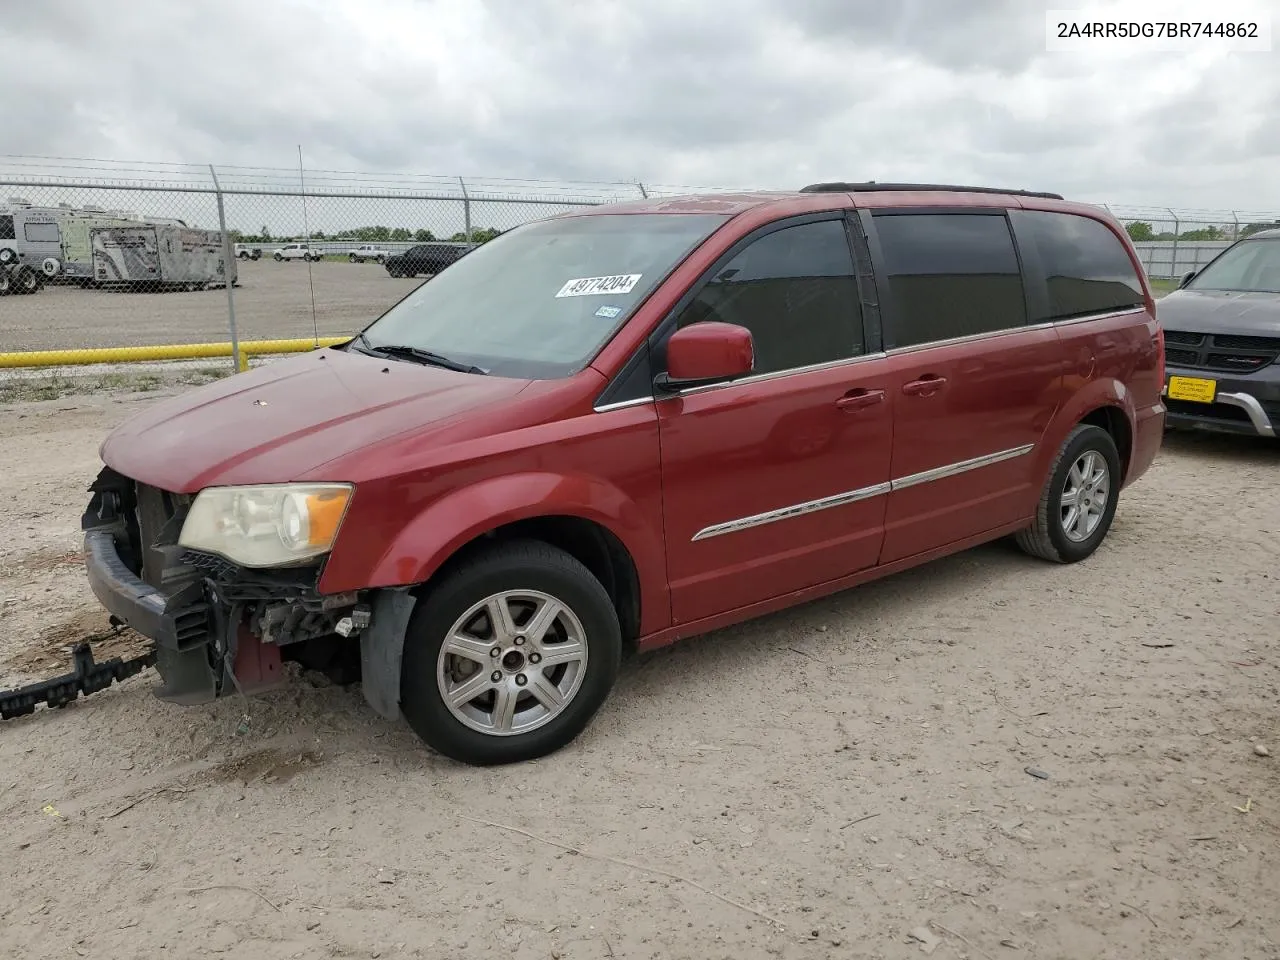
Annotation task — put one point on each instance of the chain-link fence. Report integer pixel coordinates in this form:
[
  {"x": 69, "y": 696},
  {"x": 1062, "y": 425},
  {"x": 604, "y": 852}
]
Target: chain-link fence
[{"x": 99, "y": 254}]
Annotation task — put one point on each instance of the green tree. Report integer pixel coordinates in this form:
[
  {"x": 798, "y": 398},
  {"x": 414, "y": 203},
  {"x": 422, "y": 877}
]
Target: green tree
[
  {"x": 423, "y": 236},
  {"x": 264, "y": 235},
  {"x": 1249, "y": 229},
  {"x": 478, "y": 235},
  {"x": 1140, "y": 231},
  {"x": 400, "y": 234},
  {"x": 1204, "y": 233}
]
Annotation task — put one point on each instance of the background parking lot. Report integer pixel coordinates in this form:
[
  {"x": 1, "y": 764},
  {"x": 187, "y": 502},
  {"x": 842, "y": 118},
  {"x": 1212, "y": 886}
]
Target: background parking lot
[
  {"x": 818, "y": 783},
  {"x": 273, "y": 301}
]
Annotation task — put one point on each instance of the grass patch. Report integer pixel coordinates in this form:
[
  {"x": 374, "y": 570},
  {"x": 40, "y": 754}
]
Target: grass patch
[
  {"x": 1161, "y": 287},
  {"x": 55, "y": 386}
]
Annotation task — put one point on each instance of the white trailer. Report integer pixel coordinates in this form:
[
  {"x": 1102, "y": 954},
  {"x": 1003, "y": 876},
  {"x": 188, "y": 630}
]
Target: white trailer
[{"x": 160, "y": 257}]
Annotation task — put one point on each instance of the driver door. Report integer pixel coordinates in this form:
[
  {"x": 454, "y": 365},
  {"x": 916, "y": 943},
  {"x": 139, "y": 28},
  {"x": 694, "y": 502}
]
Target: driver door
[{"x": 778, "y": 481}]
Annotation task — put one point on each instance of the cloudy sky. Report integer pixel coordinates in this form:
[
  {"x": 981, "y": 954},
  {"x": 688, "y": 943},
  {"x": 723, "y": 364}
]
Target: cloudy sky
[{"x": 771, "y": 93}]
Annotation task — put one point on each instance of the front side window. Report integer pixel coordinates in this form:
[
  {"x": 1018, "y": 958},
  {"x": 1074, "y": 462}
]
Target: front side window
[
  {"x": 795, "y": 290},
  {"x": 1086, "y": 267},
  {"x": 42, "y": 232},
  {"x": 539, "y": 301},
  {"x": 950, "y": 275},
  {"x": 6, "y": 228},
  {"x": 1251, "y": 266}
]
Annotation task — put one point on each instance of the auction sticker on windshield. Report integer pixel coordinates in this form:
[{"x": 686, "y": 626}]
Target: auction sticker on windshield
[{"x": 586, "y": 286}]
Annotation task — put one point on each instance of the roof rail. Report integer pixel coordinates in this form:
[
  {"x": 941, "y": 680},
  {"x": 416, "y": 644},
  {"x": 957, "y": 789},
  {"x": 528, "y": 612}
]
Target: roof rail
[{"x": 871, "y": 186}]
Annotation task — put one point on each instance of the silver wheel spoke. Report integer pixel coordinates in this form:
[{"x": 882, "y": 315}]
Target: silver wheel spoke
[
  {"x": 571, "y": 651},
  {"x": 504, "y": 708},
  {"x": 500, "y": 619},
  {"x": 1070, "y": 520},
  {"x": 1077, "y": 476},
  {"x": 470, "y": 688},
  {"x": 542, "y": 620},
  {"x": 1068, "y": 498},
  {"x": 548, "y": 693},
  {"x": 463, "y": 646}
]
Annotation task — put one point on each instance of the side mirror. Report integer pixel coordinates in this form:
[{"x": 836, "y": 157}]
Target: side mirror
[
  {"x": 1187, "y": 279},
  {"x": 705, "y": 353}
]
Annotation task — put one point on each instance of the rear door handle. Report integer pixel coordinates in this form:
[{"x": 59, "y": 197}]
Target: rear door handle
[
  {"x": 924, "y": 387},
  {"x": 859, "y": 398}
]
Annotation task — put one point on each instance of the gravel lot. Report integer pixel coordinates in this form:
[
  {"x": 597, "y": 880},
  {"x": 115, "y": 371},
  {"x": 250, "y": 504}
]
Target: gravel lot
[
  {"x": 819, "y": 783},
  {"x": 272, "y": 301}
]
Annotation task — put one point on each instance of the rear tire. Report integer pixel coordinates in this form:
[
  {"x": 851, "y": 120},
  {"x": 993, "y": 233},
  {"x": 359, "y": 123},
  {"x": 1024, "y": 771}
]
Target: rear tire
[
  {"x": 353, "y": 258},
  {"x": 1079, "y": 499},
  {"x": 6, "y": 283},
  {"x": 277, "y": 257},
  {"x": 553, "y": 704},
  {"x": 29, "y": 281}
]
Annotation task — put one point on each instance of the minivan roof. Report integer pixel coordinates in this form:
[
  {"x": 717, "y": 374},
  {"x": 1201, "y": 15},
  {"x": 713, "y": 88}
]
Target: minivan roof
[{"x": 864, "y": 195}]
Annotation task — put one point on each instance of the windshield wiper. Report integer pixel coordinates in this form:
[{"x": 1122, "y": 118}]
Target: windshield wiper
[{"x": 418, "y": 355}]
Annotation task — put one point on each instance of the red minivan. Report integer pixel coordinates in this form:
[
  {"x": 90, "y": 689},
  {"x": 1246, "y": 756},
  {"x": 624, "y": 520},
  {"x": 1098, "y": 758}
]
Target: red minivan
[{"x": 614, "y": 428}]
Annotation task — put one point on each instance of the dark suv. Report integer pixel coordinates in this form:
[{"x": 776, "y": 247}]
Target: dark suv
[
  {"x": 1222, "y": 331},
  {"x": 428, "y": 258},
  {"x": 625, "y": 425}
]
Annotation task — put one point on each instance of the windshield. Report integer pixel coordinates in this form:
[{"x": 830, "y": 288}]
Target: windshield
[
  {"x": 1251, "y": 266},
  {"x": 540, "y": 300}
]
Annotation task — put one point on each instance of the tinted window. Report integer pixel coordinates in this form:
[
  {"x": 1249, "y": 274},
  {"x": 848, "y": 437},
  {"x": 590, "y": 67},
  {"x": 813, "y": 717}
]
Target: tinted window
[
  {"x": 795, "y": 290},
  {"x": 6, "y": 228},
  {"x": 1251, "y": 265},
  {"x": 950, "y": 275},
  {"x": 540, "y": 300},
  {"x": 1086, "y": 266},
  {"x": 42, "y": 232}
]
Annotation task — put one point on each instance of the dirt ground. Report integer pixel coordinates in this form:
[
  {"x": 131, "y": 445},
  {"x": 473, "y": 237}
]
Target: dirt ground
[
  {"x": 273, "y": 301},
  {"x": 816, "y": 784}
]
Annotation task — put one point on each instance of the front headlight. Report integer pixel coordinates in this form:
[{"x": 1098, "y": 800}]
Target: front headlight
[{"x": 267, "y": 526}]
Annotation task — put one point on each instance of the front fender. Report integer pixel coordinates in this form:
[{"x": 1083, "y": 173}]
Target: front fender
[
  {"x": 1103, "y": 392},
  {"x": 435, "y": 534}
]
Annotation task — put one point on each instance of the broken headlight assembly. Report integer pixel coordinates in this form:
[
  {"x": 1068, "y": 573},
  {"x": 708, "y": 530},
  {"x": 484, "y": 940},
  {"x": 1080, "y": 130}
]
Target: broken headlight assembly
[{"x": 275, "y": 525}]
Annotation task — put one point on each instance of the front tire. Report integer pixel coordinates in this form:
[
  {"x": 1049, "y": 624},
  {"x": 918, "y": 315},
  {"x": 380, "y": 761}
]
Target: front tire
[
  {"x": 509, "y": 656},
  {"x": 277, "y": 257},
  {"x": 1079, "y": 500}
]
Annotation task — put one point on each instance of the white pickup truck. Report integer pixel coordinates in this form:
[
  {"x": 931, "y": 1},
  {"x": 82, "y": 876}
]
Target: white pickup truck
[
  {"x": 367, "y": 251},
  {"x": 297, "y": 251}
]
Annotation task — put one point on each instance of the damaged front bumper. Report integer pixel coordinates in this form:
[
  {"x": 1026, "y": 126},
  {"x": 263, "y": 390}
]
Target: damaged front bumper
[{"x": 218, "y": 628}]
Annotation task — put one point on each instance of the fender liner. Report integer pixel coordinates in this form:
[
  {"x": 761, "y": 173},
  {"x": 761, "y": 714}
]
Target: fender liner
[{"x": 382, "y": 650}]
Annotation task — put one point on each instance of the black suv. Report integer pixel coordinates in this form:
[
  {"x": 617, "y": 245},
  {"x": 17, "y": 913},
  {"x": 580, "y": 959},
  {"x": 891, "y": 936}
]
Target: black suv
[
  {"x": 429, "y": 258},
  {"x": 1222, "y": 340}
]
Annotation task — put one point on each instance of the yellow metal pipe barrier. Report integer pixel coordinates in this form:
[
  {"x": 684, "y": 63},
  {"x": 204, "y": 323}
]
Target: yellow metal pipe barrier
[{"x": 178, "y": 351}]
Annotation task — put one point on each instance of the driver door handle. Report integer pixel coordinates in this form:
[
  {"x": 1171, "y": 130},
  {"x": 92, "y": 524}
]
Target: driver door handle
[{"x": 859, "y": 398}]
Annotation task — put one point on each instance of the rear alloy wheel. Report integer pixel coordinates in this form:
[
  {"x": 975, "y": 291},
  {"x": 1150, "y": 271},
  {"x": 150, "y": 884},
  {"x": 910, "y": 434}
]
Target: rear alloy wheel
[
  {"x": 1079, "y": 500},
  {"x": 6, "y": 283},
  {"x": 510, "y": 656},
  {"x": 28, "y": 281},
  {"x": 353, "y": 258},
  {"x": 277, "y": 257}
]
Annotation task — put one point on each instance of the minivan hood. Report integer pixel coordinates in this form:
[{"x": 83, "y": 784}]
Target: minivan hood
[
  {"x": 1220, "y": 311},
  {"x": 280, "y": 421}
]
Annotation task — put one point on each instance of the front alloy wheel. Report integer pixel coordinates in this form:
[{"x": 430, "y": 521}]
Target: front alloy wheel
[
  {"x": 510, "y": 655},
  {"x": 512, "y": 663}
]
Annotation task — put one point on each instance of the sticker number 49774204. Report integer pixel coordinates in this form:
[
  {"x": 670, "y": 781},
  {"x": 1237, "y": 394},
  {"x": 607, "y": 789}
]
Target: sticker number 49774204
[{"x": 586, "y": 286}]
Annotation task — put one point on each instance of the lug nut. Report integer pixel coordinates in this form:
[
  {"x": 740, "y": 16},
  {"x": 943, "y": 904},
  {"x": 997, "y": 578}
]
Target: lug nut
[
  {"x": 519, "y": 641},
  {"x": 495, "y": 652},
  {"x": 521, "y": 680},
  {"x": 535, "y": 658},
  {"x": 495, "y": 676}
]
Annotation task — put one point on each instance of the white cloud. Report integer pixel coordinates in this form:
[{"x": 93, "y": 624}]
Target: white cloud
[{"x": 753, "y": 93}]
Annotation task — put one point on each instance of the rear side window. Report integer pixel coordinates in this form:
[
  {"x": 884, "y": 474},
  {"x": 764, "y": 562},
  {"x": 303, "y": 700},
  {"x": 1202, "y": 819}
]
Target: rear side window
[
  {"x": 795, "y": 290},
  {"x": 1086, "y": 267},
  {"x": 950, "y": 275},
  {"x": 42, "y": 232}
]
